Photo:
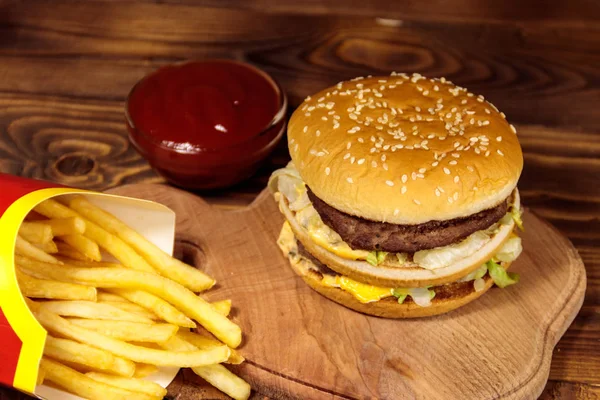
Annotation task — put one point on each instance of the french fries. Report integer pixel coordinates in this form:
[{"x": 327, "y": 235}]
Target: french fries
[
  {"x": 111, "y": 324},
  {"x": 84, "y": 386},
  {"x": 24, "y": 248},
  {"x": 92, "y": 310},
  {"x": 133, "y": 384},
  {"x": 217, "y": 375},
  {"x": 144, "y": 370},
  {"x": 72, "y": 352},
  {"x": 190, "y": 304},
  {"x": 66, "y": 226},
  {"x": 35, "y": 232},
  {"x": 184, "y": 274},
  {"x": 45, "y": 289},
  {"x": 129, "y": 331},
  {"x": 63, "y": 327},
  {"x": 85, "y": 246}
]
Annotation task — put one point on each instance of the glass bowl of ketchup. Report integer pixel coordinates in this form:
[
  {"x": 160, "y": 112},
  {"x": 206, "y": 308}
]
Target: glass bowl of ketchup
[{"x": 206, "y": 124}]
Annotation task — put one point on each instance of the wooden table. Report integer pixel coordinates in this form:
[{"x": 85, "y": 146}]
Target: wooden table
[{"x": 66, "y": 68}]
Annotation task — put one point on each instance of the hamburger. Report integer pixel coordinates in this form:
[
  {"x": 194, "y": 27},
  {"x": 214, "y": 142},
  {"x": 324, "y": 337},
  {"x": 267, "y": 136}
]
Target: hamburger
[{"x": 400, "y": 199}]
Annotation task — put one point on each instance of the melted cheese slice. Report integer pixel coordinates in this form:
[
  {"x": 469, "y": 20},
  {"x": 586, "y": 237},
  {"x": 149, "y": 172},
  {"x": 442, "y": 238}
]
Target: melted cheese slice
[
  {"x": 361, "y": 291},
  {"x": 324, "y": 236}
]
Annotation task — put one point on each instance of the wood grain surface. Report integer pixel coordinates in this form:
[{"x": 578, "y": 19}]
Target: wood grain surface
[
  {"x": 66, "y": 68},
  {"x": 300, "y": 345}
]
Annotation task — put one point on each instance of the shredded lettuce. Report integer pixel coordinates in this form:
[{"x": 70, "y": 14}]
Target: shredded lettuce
[
  {"x": 421, "y": 296},
  {"x": 477, "y": 274},
  {"x": 376, "y": 257},
  {"x": 443, "y": 256},
  {"x": 501, "y": 277},
  {"x": 510, "y": 250}
]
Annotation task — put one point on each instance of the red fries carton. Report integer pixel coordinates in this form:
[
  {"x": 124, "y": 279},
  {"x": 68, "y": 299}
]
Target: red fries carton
[{"x": 22, "y": 338}]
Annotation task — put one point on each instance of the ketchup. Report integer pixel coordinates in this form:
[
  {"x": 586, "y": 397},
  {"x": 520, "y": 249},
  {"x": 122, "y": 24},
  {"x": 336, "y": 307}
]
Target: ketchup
[{"x": 224, "y": 112}]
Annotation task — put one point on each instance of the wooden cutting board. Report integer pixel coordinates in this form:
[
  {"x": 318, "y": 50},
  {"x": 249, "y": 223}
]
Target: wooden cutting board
[{"x": 300, "y": 345}]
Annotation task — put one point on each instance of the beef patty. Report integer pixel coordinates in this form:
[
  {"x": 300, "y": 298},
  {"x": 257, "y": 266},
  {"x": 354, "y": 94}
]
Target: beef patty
[{"x": 364, "y": 234}]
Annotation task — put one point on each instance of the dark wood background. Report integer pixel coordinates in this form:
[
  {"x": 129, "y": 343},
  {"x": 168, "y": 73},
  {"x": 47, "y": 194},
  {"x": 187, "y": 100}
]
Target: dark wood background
[{"x": 66, "y": 68}]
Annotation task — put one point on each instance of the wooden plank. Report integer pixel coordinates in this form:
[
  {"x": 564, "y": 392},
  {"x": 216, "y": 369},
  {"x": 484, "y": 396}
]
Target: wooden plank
[
  {"x": 557, "y": 390},
  {"x": 555, "y": 11},
  {"x": 94, "y": 50}
]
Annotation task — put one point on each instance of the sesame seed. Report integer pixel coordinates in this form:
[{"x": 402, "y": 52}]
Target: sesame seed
[
  {"x": 361, "y": 140},
  {"x": 307, "y": 114},
  {"x": 313, "y": 152},
  {"x": 318, "y": 133},
  {"x": 324, "y": 118},
  {"x": 441, "y": 189},
  {"x": 374, "y": 164},
  {"x": 361, "y": 161},
  {"x": 456, "y": 179},
  {"x": 455, "y": 195},
  {"x": 349, "y": 180},
  {"x": 463, "y": 102},
  {"x": 327, "y": 171},
  {"x": 434, "y": 164},
  {"x": 385, "y": 166},
  {"x": 500, "y": 152},
  {"x": 513, "y": 129},
  {"x": 389, "y": 183},
  {"x": 475, "y": 188},
  {"x": 417, "y": 202},
  {"x": 487, "y": 153},
  {"x": 346, "y": 156},
  {"x": 422, "y": 170},
  {"x": 450, "y": 200},
  {"x": 484, "y": 123},
  {"x": 453, "y": 162},
  {"x": 321, "y": 99},
  {"x": 446, "y": 171},
  {"x": 296, "y": 147},
  {"x": 352, "y": 159},
  {"x": 487, "y": 111},
  {"x": 413, "y": 176},
  {"x": 437, "y": 192},
  {"x": 404, "y": 178},
  {"x": 499, "y": 139},
  {"x": 403, "y": 190},
  {"x": 396, "y": 211},
  {"x": 471, "y": 169}
]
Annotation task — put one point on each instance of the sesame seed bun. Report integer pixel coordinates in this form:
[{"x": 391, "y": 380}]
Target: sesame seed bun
[
  {"x": 388, "y": 307},
  {"x": 404, "y": 150},
  {"x": 395, "y": 276}
]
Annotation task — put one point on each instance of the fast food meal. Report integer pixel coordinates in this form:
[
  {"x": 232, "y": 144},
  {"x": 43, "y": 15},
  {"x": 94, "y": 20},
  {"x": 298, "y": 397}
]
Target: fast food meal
[
  {"x": 112, "y": 323},
  {"x": 400, "y": 200}
]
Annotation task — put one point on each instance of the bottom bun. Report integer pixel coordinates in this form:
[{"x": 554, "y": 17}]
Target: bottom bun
[{"x": 388, "y": 307}]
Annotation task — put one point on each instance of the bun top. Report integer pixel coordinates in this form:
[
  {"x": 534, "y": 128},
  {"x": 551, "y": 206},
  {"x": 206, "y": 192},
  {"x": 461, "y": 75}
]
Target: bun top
[{"x": 404, "y": 149}]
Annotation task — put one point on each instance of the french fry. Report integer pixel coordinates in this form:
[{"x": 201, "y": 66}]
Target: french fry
[
  {"x": 217, "y": 375},
  {"x": 65, "y": 226},
  {"x": 129, "y": 331},
  {"x": 132, "y": 384},
  {"x": 45, "y": 289},
  {"x": 63, "y": 327},
  {"x": 85, "y": 246},
  {"x": 49, "y": 247},
  {"x": 69, "y": 351},
  {"x": 134, "y": 309},
  {"x": 115, "y": 246},
  {"x": 180, "y": 272},
  {"x": 223, "y": 307},
  {"x": 144, "y": 370},
  {"x": 35, "y": 233},
  {"x": 157, "y": 305},
  {"x": 64, "y": 250},
  {"x": 24, "y": 248},
  {"x": 84, "y": 386},
  {"x": 40, "y": 378},
  {"x": 86, "y": 263},
  {"x": 91, "y": 310},
  {"x": 190, "y": 304},
  {"x": 203, "y": 343},
  {"x": 110, "y": 297}
]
